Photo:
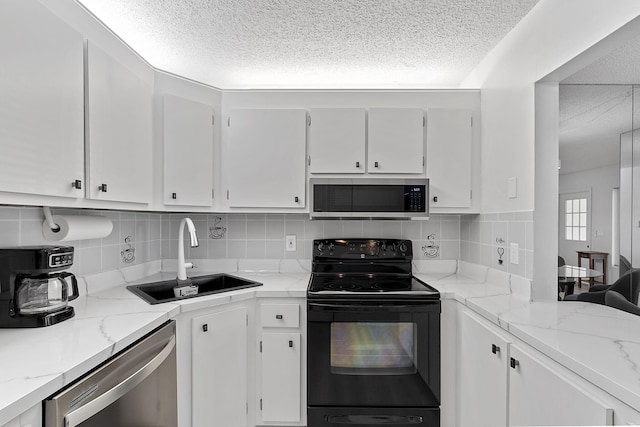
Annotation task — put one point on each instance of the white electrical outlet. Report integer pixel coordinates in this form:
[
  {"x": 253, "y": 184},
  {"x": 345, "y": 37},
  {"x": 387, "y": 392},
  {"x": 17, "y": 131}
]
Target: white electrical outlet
[
  {"x": 514, "y": 253},
  {"x": 290, "y": 242}
]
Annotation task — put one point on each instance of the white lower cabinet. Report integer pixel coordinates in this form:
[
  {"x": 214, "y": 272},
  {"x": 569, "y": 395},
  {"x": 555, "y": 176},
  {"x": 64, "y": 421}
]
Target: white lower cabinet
[
  {"x": 507, "y": 383},
  {"x": 219, "y": 368},
  {"x": 281, "y": 388}
]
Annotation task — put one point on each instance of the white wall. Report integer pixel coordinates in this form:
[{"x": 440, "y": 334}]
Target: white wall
[
  {"x": 601, "y": 182},
  {"x": 552, "y": 34}
]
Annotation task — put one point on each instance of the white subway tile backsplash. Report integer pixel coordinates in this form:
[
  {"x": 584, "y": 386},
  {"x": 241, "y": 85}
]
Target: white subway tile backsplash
[
  {"x": 482, "y": 235},
  {"x": 9, "y": 232},
  {"x": 227, "y": 236},
  {"x": 256, "y": 249},
  {"x": 256, "y": 229},
  {"x": 353, "y": 228},
  {"x": 9, "y": 213},
  {"x": 274, "y": 229}
]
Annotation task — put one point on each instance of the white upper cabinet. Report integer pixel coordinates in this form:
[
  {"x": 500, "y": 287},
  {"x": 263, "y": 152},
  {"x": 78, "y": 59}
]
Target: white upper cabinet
[
  {"x": 188, "y": 152},
  {"x": 337, "y": 140},
  {"x": 266, "y": 158},
  {"x": 396, "y": 140},
  {"x": 119, "y": 131},
  {"x": 449, "y": 157},
  {"x": 41, "y": 102}
]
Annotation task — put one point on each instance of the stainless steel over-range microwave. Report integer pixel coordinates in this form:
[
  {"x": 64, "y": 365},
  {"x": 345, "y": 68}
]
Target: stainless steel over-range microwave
[{"x": 369, "y": 198}]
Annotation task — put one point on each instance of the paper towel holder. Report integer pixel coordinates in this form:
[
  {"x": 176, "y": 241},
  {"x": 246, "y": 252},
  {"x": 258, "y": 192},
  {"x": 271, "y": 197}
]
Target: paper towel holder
[{"x": 49, "y": 218}]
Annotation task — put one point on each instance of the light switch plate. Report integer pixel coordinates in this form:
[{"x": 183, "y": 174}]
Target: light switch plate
[
  {"x": 290, "y": 242},
  {"x": 512, "y": 187},
  {"x": 514, "y": 253}
]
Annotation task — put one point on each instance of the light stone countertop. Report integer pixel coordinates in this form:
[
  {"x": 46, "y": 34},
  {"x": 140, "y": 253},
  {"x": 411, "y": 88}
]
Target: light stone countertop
[{"x": 599, "y": 343}]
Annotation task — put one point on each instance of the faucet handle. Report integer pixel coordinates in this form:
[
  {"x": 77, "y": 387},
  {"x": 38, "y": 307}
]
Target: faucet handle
[{"x": 189, "y": 265}]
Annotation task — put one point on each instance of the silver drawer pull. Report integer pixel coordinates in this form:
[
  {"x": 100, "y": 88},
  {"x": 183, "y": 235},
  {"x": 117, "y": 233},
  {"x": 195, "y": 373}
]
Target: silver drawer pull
[{"x": 279, "y": 316}]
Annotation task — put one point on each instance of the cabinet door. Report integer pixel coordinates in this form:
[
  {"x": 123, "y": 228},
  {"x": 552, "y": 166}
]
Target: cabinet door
[
  {"x": 188, "y": 152},
  {"x": 540, "y": 395},
  {"x": 483, "y": 374},
  {"x": 449, "y": 157},
  {"x": 281, "y": 386},
  {"x": 266, "y": 167},
  {"x": 119, "y": 131},
  {"x": 395, "y": 140},
  {"x": 219, "y": 369},
  {"x": 337, "y": 140},
  {"x": 41, "y": 102}
]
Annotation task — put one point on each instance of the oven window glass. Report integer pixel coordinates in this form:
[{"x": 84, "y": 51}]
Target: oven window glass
[{"x": 370, "y": 348}]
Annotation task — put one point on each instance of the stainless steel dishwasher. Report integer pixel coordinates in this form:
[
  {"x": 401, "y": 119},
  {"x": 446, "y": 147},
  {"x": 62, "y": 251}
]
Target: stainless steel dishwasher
[{"x": 137, "y": 387}]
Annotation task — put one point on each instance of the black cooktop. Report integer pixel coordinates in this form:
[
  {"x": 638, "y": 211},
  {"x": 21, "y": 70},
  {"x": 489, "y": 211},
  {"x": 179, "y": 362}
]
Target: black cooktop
[{"x": 365, "y": 268}]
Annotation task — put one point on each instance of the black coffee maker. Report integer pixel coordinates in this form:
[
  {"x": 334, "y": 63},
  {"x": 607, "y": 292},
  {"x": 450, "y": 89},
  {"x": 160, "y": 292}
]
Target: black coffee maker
[{"x": 33, "y": 290}]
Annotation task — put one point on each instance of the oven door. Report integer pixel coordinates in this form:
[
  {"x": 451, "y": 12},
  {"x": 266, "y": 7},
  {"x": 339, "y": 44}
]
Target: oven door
[{"x": 374, "y": 354}]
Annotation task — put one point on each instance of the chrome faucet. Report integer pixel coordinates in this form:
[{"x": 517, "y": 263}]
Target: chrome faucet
[{"x": 182, "y": 266}]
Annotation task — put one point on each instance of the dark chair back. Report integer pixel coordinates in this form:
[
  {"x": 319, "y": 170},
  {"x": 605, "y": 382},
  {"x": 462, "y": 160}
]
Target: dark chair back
[
  {"x": 625, "y": 265},
  {"x": 561, "y": 261},
  {"x": 617, "y": 300},
  {"x": 628, "y": 285}
]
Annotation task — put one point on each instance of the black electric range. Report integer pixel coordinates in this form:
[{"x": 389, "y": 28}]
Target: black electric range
[{"x": 373, "y": 334}]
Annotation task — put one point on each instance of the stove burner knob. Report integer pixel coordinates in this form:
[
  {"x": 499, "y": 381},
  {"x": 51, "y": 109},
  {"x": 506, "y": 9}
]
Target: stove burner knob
[
  {"x": 320, "y": 247},
  {"x": 383, "y": 246},
  {"x": 331, "y": 247},
  {"x": 402, "y": 247}
]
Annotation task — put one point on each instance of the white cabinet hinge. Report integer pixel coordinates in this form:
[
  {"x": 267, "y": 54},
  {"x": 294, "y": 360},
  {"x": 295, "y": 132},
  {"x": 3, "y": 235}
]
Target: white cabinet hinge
[
  {"x": 260, "y": 346},
  {"x": 309, "y": 120},
  {"x": 261, "y": 404},
  {"x": 309, "y": 160},
  {"x": 227, "y": 194},
  {"x": 422, "y": 160},
  {"x": 213, "y": 120}
]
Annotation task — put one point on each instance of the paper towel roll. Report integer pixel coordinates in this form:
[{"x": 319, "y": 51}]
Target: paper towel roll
[{"x": 77, "y": 227}]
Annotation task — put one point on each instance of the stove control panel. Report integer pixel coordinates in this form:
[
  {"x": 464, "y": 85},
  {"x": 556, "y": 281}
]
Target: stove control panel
[{"x": 362, "y": 248}]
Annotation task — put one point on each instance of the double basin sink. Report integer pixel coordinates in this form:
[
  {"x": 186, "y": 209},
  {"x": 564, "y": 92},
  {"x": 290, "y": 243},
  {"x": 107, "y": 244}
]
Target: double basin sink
[{"x": 159, "y": 292}]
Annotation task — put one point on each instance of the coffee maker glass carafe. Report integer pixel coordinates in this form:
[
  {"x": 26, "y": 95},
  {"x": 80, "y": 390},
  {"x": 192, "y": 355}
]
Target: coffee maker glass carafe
[{"x": 45, "y": 293}]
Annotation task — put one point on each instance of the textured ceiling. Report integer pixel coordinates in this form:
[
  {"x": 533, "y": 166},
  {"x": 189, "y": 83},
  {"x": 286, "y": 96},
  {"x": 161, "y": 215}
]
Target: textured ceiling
[
  {"x": 592, "y": 117},
  {"x": 621, "y": 66},
  {"x": 313, "y": 43},
  {"x": 596, "y": 107}
]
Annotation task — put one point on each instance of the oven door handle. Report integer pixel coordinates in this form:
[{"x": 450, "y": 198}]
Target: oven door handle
[
  {"x": 86, "y": 411},
  {"x": 374, "y": 419},
  {"x": 423, "y": 306}
]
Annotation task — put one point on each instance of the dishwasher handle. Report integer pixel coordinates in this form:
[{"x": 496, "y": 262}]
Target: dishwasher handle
[{"x": 86, "y": 411}]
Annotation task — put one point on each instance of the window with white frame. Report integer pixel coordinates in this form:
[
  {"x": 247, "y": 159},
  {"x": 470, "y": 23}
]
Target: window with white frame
[{"x": 575, "y": 225}]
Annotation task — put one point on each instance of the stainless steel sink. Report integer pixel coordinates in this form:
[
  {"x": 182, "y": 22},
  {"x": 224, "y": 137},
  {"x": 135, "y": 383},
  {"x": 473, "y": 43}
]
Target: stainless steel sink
[{"x": 159, "y": 292}]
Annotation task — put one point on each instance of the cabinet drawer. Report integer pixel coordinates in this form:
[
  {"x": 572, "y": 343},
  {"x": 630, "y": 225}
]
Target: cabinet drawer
[{"x": 280, "y": 315}]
